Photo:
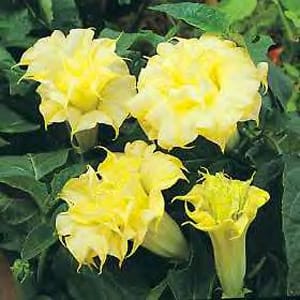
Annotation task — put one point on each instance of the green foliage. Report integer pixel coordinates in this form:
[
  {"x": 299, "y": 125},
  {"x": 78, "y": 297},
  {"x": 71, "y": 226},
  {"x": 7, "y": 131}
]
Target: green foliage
[
  {"x": 237, "y": 10},
  {"x": 65, "y": 15},
  {"x": 291, "y": 220},
  {"x": 201, "y": 16},
  {"x": 292, "y": 11},
  {"x": 280, "y": 85},
  {"x": 37, "y": 241},
  {"x": 128, "y": 40},
  {"x": 11, "y": 122},
  {"x": 258, "y": 47},
  {"x": 15, "y": 27}
]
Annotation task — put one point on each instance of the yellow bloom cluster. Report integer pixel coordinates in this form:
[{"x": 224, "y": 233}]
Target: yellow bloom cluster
[
  {"x": 82, "y": 81},
  {"x": 104, "y": 214},
  {"x": 225, "y": 208},
  {"x": 191, "y": 87},
  {"x": 197, "y": 87}
]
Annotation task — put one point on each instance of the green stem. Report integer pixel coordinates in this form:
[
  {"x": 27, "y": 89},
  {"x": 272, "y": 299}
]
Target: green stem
[
  {"x": 87, "y": 139},
  {"x": 230, "y": 260}
]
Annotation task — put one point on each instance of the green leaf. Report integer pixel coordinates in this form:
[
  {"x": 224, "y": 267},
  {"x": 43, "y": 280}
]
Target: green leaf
[
  {"x": 291, "y": 221},
  {"x": 294, "y": 17},
  {"x": 291, "y": 4},
  {"x": 4, "y": 202},
  {"x": 15, "y": 166},
  {"x": 126, "y": 40},
  {"x": 32, "y": 165},
  {"x": 157, "y": 291},
  {"x": 237, "y": 10},
  {"x": 35, "y": 189},
  {"x": 14, "y": 28},
  {"x": 124, "y": 2},
  {"x": 196, "y": 281},
  {"x": 258, "y": 49},
  {"x": 201, "y": 16},
  {"x": 46, "y": 10},
  {"x": 3, "y": 142},
  {"x": 11, "y": 122},
  {"x": 65, "y": 15},
  {"x": 13, "y": 75},
  {"x": 280, "y": 84},
  {"x": 37, "y": 241},
  {"x": 108, "y": 285},
  {"x": 44, "y": 163},
  {"x": 16, "y": 210}
]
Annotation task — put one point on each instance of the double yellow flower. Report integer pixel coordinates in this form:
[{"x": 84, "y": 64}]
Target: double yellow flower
[
  {"x": 125, "y": 205},
  {"x": 82, "y": 80}
]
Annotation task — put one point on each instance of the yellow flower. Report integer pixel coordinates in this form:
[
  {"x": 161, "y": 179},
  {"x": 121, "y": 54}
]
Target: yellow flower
[
  {"x": 126, "y": 204},
  {"x": 82, "y": 80},
  {"x": 225, "y": 208},
  {"x": 197, "y": 87}
]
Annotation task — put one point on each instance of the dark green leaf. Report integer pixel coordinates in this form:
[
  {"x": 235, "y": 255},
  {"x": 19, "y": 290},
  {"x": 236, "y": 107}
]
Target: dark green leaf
[
  {"x": 35, "y": 165},
  {"x": 44, "y": 163},
  {"x": 3, "y": 142},
  {"x": 89, "y": 286},
  {"x": 4, "y": 202},
  {"x": 280, "y": 85},
  {"x": 37, "y": 241},
  {"x": 157, "y": 291},
  {"x": 126, "y": 40},
  {"x": 14, "y": 28},
  {"x": 196, "y": 281},
  {"x": 258, "y": 49},
  {"x": 35, "y": 189},
  {"x": 11, "y": 122},
  {"x": 201, "y": 16},
  {"x": 291, "y": 221},
  {"x": 15, "y": 166},
  {"x": 17, "y": 210},
  {"x": 237, "y": 10},
  {"x": 12, "y": 74},
  {"x": 65, "y": 15},
  {"x": 124, "y": 2},
  {"x": 46, "y": 10}
]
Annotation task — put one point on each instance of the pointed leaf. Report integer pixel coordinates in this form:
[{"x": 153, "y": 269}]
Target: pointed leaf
[{"x": 198, "y": 15}]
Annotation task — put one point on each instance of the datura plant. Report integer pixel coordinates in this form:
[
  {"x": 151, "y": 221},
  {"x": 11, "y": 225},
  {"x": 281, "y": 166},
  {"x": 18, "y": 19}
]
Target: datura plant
[
  {"x": 225, "y": 208},
  {"x": 125, "y": 205},
  {"x": 82, "y": 81},
  {"x": 185, "y": 89},
  {"x": 108, "y": 112}
]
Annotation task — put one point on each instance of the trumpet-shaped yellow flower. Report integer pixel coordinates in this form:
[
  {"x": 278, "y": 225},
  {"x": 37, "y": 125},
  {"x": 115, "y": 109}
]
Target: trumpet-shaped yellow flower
[
  {"x": 225, "y": 208},
  {"x": 126, "y": 204},
  {"x": 82, "y": 81},
  {"x": 197, "y": 87}
]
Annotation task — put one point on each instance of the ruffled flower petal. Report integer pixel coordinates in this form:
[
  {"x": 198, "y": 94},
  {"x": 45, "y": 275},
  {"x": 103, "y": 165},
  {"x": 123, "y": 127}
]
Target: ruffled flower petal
[
  {"x": 82, "y": 75},
  {"x": 190, "y": 88}
]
